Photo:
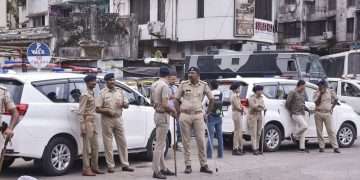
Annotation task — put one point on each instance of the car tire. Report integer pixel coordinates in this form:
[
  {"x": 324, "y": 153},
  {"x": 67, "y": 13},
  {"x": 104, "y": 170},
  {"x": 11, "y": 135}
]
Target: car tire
[
  {"x": 8, "y": 161},
  {"x": 273, "y": 137},
  {"x": 151, "y": 145},
  {"x": 62, "y": 152},
  {"x": 346, "y": 135}
]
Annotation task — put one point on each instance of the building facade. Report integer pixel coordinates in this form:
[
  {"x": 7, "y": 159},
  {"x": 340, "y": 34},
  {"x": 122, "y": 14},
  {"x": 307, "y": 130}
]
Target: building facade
[{"x": 324, "y": 26}]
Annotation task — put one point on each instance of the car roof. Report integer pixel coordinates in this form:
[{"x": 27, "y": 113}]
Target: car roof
[
  {"x": 40, "y": 76},
  {"x": 341, "y": 79},
  {"x": 259, "y": 80}
]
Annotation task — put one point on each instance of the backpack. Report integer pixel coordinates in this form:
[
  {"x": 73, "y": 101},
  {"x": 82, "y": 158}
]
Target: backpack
[{"x": 218, "y": 104}]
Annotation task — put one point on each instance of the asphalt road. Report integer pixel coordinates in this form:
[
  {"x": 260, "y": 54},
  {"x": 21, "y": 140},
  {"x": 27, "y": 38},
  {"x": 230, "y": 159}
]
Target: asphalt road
[{"x": 286, "y": 164}]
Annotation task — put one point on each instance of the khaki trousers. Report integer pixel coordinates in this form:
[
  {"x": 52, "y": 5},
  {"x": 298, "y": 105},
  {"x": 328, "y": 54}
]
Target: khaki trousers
[
  {"x": 162, "y": 128},
  {"x": 325, "y": 118},
  {"x": 90, "y": 146},
  {"x": 196, "y": 122},
  {"x": 255, "y": 124},
  {"x": 302, "y": 126},
  {"x": 238, "y": 134},
  {"x": 114, "y": 127}
]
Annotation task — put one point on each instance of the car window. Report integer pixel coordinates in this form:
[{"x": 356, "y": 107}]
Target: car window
[
  {"x": 270, "y": 91},
  {"x": 54, "y": 91},
  {"x": 350, "y": 90},
  {"x": 333, "y": 85},
  {"x": 76, "y": 88},
  {"x": 224, "y": 87},
  {"x": 14, "y": 87},
  {"x": 309, "y": 91}
]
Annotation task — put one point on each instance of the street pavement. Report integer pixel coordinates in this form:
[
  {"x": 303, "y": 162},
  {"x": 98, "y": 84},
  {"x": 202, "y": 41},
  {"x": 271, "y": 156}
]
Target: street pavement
[{"x": 286, "y": 164}]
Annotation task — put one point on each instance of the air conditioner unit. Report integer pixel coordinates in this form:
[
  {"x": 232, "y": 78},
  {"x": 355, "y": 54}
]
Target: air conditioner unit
[
  {"x": 328, "y": 35},
  {"x": 156, "y": 28}
]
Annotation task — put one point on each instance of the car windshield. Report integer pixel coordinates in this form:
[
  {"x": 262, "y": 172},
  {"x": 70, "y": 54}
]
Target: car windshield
[
  {"x": 334, "y": 67},
  {"x": 354, "y": 63},
  {"x": 311, "y": 64},
  {"x": 14, "y": 87},
  {"x": 224, "y": 87}
]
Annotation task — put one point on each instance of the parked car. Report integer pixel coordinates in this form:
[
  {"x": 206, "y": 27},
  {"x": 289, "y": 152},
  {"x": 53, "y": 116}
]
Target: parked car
[
  {"x": 49, "y": 131},
  {"x": 277, "y": 122},
  {"x": 348, "y": 91}
]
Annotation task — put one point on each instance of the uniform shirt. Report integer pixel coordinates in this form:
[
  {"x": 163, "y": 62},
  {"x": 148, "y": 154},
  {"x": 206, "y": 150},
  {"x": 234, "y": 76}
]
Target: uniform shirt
[
  {"x": 235, "y": 102},
  {"x": 6, "y": 102},
  {"x": 109, "y": 97},
  {"x": 87, "y": 105},
  {"x": 192, "y": 95},
  {"x": 256, "y": 104},
  {"x": 159, "y": 91},
  {"x": 173, "y": 90},
  {"x": 295, "y": 103},
  {"x": 327, "y": 100}
]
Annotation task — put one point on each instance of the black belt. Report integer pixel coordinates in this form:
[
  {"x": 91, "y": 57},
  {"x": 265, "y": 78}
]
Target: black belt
[{"x": 160, "y": 112}]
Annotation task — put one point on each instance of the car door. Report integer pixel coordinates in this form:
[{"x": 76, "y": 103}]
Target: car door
[
  {"x": 272, "y": 103},
  {"x": 310, "y": 103},
  {"x": 288, "y": 123},
  {"x": 350, "y": 94},
  {"x": 76, "y": 88}
]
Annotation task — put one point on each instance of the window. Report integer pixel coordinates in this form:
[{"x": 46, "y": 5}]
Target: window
[
  {"x": 316, "y": 28},
  {"x": 15, "y": 88},
  {"x": 333, "y": 85},
  {"x": 54, "y": 90},
  {"x": 334, "y": 67},
  {"x": 161, "y": 10},
  {"x": 290, "y": 30},
  {"x": 290, "y": 1},
  {"x": 350, "y": 25},
  {"x": 310, "y": 92},
  {"x": 350, "y": 90},
  {"x": 235, "y": 61},
  {"x": 132, "y": 97},
  {"x": 270, "y": 91},
  {"x": 332, "y": 5},
  {"x": 354, "y": 63},
  {"x": 39, "y": 21},
  {"x": 141, "y": 9},
  {"x": 291, "y": 66},
  {"x": 217, "y": 61},
  {"x": 287, "y": 88},
  {"x": 350, "y": 3},
  {"x": 76, "y": 88},
  {"x": 224, "y": 87},
  {"x": 263, "y": 9},
  {"x": 200, "y": 8}
]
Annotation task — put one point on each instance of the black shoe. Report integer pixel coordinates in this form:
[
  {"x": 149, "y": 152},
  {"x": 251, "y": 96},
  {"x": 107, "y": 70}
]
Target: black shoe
[
  {"x": 256, "y": 152},
  {"x": 167, "y": 172},
  {"x": 110, "y": 170},
  {"x": 321, "y": 150},
  {"x": 336, "y": 150},
  {"x": 188, "y": 170},
  {"x": 128, "y": 169},
  {"x": 205, "y": 169},
  {"x": 158, "y": 176},
  {"x": 237, "y": 152},
  {"x": 304, "y": 150}
]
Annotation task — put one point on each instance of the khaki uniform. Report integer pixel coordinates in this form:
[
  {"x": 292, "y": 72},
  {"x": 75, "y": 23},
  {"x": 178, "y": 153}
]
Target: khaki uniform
[
  {"x": 237, "y": 117},
  {"x": 192, "y": 117},
  {"x": 160, "y": 90},
  {"x": 6, "y": 103},
  {"x": 87, "y": 125},
  {"x": 323, "y": 116},
  {"x": 113, "y": 125},
  {"x": 255, "y": 119}
]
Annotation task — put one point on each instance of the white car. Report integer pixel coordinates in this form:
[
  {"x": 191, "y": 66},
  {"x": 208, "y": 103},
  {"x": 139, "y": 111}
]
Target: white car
[
  {"x": 348, "y": 91},
  {"x": 277, "y": 121},
  {"x": 49, "y": 131}
]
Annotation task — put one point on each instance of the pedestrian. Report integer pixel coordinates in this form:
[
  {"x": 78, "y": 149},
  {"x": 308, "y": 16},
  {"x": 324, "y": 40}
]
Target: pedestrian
[
  {"x": 255, "y": 119},
  {"x": 325, "y": 102},
  {"x": 160, "y": 93},
  {"x": 237, "y": 112},
  {"x": 110, "y": 105},
  {"x": 214, "y": 120},
  {"x": 173, "y": 89},
  {"x": 295, "y": 103},
  {"x": 191, "y": 94},
  {"x": 88, "y": 128},
  {"x": 7, "y": 105}
]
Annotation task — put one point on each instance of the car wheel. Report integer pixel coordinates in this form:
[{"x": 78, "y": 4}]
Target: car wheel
[
  {"x": 8, "y": 161},
  {"x": 273, "y": 137},
  {"x": 346, "y": 135},
  {"x": 151, "y": 146},
  {"x": 58, "y": 157}
]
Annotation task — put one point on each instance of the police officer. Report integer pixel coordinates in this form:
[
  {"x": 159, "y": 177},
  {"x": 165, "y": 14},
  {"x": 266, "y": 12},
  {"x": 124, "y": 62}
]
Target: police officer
[
  {"x": 255, "y": 119},
  {"x": 160, "y": 96},
  {"x": 237, "y": 111},
  {"x": 325, "y": 101},
  {"x": 191, "y": 94},
  {"x": 88, "y": 128},
  {"x": 7, "y": 105},
  {"x": 110, "y": 105}
]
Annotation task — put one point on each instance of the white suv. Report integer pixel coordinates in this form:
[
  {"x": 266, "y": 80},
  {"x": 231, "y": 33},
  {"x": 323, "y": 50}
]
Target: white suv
[
  {"x": 278, "y": 124},
  {"x": 49, "y": 131},
  {"x": 348, "y": 91}
]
